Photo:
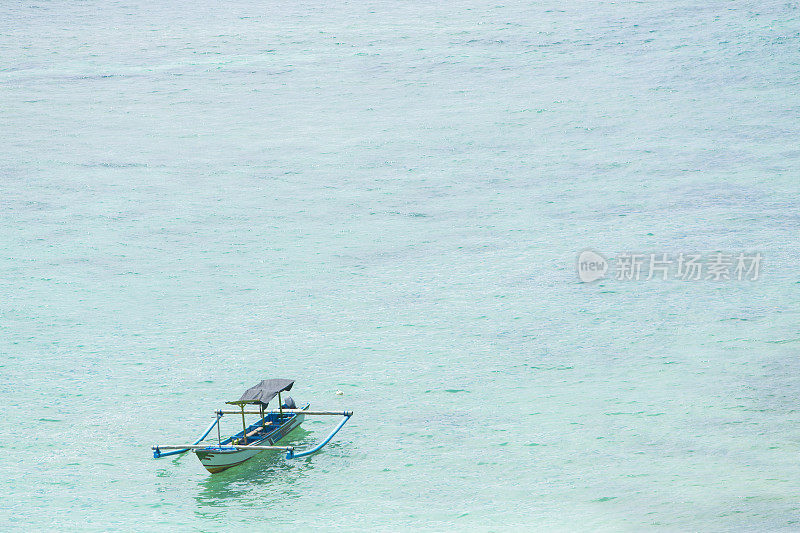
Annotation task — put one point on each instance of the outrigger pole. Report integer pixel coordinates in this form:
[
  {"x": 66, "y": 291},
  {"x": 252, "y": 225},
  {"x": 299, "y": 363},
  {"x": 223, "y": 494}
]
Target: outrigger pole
[
  {"x": 184, "y": 449},
  {"x": 291, "y": 411},
  {"x": 291, "y": 455},
  {"x": 188, "y": 447}
]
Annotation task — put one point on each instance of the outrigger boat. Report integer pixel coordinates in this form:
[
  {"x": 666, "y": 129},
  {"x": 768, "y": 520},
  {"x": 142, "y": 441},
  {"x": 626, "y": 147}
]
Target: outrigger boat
[{"x": 259, "y": 436}]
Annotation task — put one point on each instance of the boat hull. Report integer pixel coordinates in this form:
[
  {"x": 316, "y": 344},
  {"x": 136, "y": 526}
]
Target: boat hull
[{"x": 216, "y": 460}]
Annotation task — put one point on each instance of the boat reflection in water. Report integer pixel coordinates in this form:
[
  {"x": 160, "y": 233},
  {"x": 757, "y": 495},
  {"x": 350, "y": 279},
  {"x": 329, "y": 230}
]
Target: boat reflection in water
[{"x": 251, "y": 484}]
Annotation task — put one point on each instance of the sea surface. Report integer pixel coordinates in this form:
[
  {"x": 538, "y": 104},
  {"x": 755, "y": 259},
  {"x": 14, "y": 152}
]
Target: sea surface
[{"x": 388, "y": 198}]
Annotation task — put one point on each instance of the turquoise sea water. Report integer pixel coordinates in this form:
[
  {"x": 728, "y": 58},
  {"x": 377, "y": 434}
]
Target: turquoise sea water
[{"x": 388, "y": 198}]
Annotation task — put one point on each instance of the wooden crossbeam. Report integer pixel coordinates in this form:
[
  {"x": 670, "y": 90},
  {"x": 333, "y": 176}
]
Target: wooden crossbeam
[{"x": 257, "y": 430}]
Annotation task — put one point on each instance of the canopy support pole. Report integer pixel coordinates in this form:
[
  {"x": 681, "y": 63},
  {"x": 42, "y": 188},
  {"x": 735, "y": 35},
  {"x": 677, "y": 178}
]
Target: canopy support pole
[
  {"x": 280, "y": 407},
  {"x": 244, "y": 427}
]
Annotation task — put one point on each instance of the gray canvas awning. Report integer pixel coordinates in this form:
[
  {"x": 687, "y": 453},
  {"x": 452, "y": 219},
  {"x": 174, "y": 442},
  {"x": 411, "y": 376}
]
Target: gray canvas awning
[{"x": 264, "y": 391}]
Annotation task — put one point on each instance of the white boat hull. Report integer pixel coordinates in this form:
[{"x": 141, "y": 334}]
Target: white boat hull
[{"x": 216, "y": 460}]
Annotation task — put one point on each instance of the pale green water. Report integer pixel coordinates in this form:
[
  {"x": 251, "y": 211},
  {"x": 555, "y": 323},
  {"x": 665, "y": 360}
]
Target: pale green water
[{"x": 388, "y": 198}]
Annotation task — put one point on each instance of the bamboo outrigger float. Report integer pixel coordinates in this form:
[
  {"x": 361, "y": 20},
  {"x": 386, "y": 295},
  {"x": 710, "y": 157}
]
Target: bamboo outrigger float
[{"x": 257, "y": 437}]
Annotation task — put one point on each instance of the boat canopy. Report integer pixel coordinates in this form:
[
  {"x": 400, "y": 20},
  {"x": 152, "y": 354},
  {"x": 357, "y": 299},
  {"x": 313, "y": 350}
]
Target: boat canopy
[{"x": 264, "y": 391}]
